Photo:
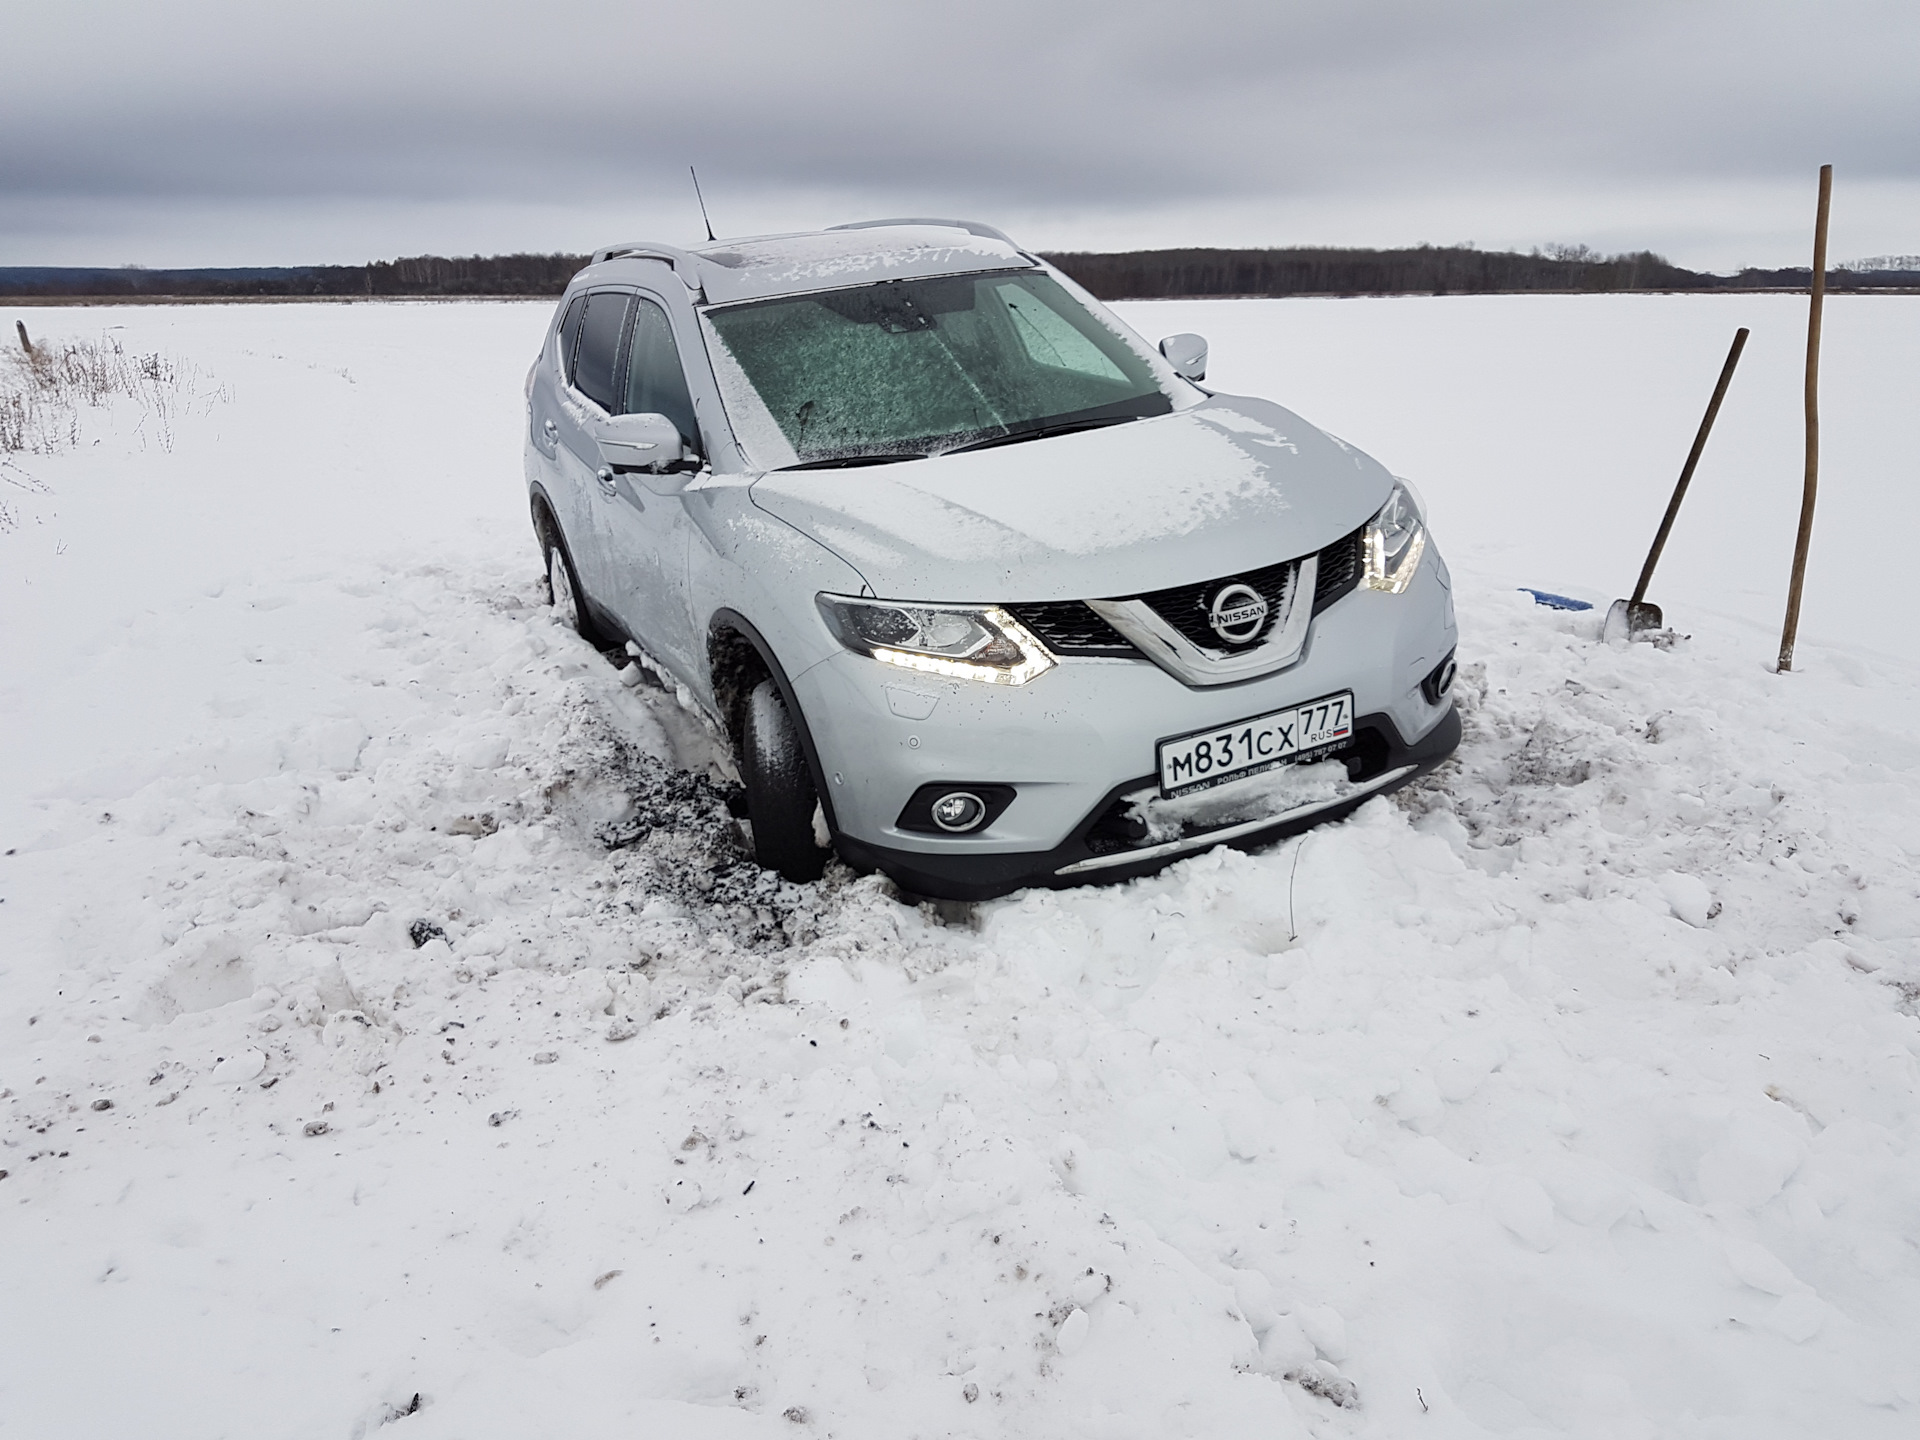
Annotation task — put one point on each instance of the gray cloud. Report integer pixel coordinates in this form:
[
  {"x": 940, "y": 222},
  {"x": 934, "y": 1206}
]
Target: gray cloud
[{"x": 218, "y": 133}]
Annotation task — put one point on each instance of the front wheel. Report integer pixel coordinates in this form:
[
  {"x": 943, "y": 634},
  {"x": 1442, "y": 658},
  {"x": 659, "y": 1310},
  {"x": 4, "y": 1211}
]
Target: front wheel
[
  {"x": 563, "y": 588},
  {"x": 780, "y": 794}
]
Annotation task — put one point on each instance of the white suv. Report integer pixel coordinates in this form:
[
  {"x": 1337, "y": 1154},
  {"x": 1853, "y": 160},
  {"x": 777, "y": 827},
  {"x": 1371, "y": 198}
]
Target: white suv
[{"x": 983, "y": 590}]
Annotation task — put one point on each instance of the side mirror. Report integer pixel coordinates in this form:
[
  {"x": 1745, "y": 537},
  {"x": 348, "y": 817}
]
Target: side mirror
[
  {"x": 645, "y": 442},
  {"x": 1187, "y": 354}
]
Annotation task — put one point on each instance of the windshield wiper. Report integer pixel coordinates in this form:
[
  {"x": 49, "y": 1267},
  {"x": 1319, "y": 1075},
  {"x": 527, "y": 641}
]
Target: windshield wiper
[
  {"x": 1042, "y": 432},
  {"x": 888, "y": 457},
  {"x": 838, "y": 462}
]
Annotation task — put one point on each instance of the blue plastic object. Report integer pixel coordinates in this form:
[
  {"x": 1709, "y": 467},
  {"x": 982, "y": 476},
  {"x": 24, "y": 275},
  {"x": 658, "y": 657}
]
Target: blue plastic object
[{"x": 1555, "y": 602}]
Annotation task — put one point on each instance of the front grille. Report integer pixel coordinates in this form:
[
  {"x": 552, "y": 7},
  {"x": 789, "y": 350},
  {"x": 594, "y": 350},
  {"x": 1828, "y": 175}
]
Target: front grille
[
  {"x": 1185, "y": 606},
  {"x": 1069, "y": 627},
  {"x": 1339, "y": 570}
]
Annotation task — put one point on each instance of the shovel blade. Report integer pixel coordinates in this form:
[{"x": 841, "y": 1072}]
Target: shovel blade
[{"x": 1627, "y": 619}]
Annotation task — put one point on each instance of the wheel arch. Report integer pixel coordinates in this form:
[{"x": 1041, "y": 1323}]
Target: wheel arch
[
  {"x": 546, "y": 516},
  {"x": 600, "y": 628},
  {"x": 738, "y": 658}
]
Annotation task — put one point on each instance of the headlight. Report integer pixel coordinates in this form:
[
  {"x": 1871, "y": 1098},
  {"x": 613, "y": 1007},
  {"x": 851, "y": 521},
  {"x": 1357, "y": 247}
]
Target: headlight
[
  {"x": 967, "y": 642},
  {"x": 1395, "y": 540}
]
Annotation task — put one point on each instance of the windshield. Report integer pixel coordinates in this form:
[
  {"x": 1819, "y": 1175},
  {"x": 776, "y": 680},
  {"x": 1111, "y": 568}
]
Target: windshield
[{"x": 915, "y": 367}]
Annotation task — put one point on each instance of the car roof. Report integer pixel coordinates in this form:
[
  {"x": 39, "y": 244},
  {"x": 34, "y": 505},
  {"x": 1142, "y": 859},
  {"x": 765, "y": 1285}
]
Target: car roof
[{"x": 761, "y": 266}]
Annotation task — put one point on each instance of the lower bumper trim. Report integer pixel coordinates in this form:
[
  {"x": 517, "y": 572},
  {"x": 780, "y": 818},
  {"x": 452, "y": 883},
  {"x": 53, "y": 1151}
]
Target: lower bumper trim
[{"x": 1169, "y": 848}]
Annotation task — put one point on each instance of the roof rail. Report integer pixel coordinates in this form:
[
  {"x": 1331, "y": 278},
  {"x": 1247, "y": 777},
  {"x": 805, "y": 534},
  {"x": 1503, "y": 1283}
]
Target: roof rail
[
  {"x": 972, "y": 227},
  {"x": 685, "y": 265}
]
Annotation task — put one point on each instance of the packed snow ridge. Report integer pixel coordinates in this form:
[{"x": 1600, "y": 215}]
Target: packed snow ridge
[{"x": 396, "y": 1033}]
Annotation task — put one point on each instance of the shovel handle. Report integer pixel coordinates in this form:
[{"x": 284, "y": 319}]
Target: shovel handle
[{"x": 1693, "y": 459}]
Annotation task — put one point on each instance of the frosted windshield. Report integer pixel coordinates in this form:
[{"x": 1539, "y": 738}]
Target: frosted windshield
[{"x": 920, "y": 366}]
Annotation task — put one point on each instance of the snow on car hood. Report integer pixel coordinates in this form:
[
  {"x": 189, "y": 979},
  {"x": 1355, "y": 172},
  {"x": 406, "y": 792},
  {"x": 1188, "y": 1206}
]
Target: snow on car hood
[{"x": 1229, "y": 485}]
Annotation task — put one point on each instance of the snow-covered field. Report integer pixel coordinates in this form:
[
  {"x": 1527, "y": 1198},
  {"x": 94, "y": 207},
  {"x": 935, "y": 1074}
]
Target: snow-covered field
[{"x": 1571, "y": 1093}]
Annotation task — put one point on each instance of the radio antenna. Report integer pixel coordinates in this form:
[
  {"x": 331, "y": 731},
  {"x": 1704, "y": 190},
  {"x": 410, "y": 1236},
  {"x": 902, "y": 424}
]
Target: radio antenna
[{"x": 703, "y": 202}]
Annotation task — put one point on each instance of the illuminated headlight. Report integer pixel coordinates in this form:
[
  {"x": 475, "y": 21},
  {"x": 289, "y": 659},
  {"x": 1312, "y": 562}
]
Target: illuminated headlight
[
  {"x": 1395, "y": 540},
  {"x": 967, "y": 642}
]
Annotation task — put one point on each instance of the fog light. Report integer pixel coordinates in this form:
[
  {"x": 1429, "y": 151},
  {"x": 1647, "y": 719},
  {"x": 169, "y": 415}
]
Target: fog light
[
  {"x": 955, "y": 807},
  {"x": 1437, "y": 684},
  {"x": 959, "y": 811}
]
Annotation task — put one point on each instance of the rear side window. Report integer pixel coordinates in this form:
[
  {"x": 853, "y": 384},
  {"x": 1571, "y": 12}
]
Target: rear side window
[
  {"x": 593, "y": 363},
  {"x": 570, "y": 331},
  {"x": 655, "y": 382}
]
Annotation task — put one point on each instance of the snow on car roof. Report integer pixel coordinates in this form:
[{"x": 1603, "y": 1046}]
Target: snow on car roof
[{"x": 765, "y": 265}]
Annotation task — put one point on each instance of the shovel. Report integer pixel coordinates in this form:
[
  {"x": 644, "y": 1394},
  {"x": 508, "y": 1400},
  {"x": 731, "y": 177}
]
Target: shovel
[{"x": 1627, "y": 618}]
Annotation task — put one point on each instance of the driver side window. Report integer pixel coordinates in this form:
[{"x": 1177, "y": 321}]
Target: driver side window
[{"x": 655, "y": 381}]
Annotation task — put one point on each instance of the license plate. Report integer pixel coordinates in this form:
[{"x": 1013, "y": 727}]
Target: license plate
[{"x": 1210, "y": 757}]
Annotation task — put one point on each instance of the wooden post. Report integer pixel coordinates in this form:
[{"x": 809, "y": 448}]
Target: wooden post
[
  {"x": 1811, "y": 485},
  {"x": 25, "y": 343}
]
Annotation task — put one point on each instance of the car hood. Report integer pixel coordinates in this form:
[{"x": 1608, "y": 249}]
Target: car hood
[{"x": 1230, "y": 485}]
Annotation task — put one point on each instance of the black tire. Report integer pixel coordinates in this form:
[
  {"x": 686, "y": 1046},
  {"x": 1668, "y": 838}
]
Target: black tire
[
  {"x": 780, "y": 794},
  {"x": 563, "y": 585}
]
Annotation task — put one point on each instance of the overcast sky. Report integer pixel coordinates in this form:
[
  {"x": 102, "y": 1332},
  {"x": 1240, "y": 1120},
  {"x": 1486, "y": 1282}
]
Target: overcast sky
[{"x": 338, "y": 131}]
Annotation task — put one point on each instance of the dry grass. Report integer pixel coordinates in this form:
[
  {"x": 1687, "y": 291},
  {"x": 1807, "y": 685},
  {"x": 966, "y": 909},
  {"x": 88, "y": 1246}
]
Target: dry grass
[{"x": 43, "y": 394}]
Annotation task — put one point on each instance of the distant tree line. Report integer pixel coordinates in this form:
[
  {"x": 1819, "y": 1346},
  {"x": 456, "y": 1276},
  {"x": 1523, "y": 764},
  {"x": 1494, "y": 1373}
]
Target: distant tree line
[
  {"x": 1133, "y": 275},
  {"x": 1426, "y": 270},
  {"x": 1847, "y": 277},
  {"x": 473, "y": 275},
  {"x": 409, "y": 275},
  {"x": 1423, "y": 270}
]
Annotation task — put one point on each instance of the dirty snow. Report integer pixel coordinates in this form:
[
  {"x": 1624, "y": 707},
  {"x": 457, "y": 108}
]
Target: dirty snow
[
  {"x": 395, "y": 1040},
  {"x": 1270, "y": 792}
]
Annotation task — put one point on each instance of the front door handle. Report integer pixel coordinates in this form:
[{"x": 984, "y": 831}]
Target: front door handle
[
  {"x": 608, "y": 486},
  {"x": 553, "y": 430}
]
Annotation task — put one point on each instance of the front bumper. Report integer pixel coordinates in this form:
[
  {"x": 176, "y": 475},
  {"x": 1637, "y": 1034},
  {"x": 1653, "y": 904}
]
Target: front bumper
[
  {"x": 1083, "y": 736},
  {"x": 1099, "y": 849}
]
